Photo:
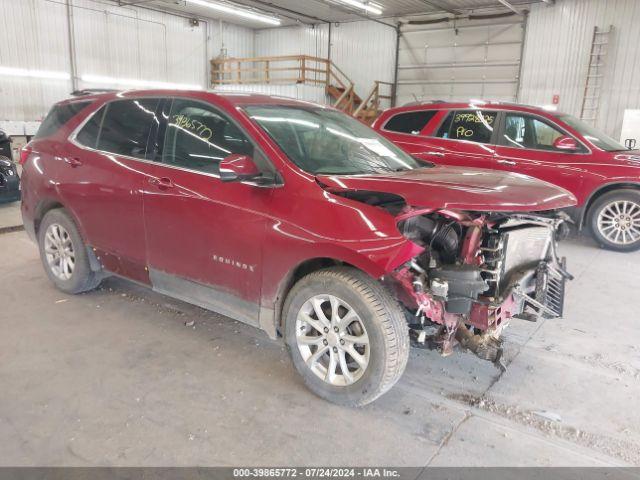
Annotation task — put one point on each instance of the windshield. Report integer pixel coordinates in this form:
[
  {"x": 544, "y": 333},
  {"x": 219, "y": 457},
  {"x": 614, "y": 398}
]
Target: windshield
[
  {"x": 324, "y": 141},
  {"x": 593, "y": 135}
]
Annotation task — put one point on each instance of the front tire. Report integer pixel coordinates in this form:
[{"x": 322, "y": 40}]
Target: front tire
[
  {"x": 614, "y": 219},
  {"x": 64, "y": 255},
  {"x": 347, "y": 336}
]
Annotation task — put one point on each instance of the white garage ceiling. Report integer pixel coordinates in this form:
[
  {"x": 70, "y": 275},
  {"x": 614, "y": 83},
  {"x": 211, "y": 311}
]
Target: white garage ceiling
[{"x": 291, "y": 12}]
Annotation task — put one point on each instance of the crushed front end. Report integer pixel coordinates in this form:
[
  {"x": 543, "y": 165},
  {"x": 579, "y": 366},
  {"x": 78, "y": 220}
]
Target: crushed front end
[{"x": 477, "y": 272}]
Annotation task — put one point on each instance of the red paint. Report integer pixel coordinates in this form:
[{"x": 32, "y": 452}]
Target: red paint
[
  {"x": 242, "y": 238},
  {"x": 583, "y": 173},
  {"x": 556, "y": 99}
]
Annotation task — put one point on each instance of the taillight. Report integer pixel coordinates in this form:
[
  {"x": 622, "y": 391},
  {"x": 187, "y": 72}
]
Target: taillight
[{"x": 24, "y": 154}]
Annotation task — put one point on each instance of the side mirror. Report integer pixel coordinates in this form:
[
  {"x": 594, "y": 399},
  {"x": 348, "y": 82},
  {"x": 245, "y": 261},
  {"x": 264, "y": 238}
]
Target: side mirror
[
  {"x": 566, "y": 144},
  {"x": 237, "y": 168},
  {"x": 630, "y": 143}
]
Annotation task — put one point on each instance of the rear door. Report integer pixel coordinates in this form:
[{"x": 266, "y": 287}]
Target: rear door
[
  {"x": 204, "y": 235},
  {"x": 465, "y": 138},
  {"x": 525, "y": 145},
  {"x": 106, "y": 166}
]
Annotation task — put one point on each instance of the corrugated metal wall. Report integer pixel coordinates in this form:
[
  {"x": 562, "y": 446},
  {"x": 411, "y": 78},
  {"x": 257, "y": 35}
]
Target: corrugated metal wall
[
  {"x": 111, "y": 41},
  {"x": 365, "y": 51},
  {"x": 557, "y": 50}
]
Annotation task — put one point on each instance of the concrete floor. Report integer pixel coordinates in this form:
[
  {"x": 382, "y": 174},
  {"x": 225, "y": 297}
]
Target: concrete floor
[{"x": 114, "y": 377}]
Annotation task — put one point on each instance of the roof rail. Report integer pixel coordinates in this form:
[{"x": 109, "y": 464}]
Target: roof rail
[{"x": 92, "y": 91}]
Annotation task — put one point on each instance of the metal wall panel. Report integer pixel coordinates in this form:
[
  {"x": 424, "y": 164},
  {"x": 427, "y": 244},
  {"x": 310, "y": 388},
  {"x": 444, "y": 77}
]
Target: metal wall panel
[
  {"x": 110, "y": 41},
  {"x": 310, "y": 93},
  {"x": 468, "y": 59},
  {"x": 364, "y": 51},
  {"x": 557, "y": 53},
  {"x": 33, "y": 37}
]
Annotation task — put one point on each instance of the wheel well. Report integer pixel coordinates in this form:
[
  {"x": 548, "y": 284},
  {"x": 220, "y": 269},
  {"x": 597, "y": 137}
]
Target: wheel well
[
  {"x": 305, "y": 268},
  {"x": 603, "y": 190},
  {"x": 41, "y": 211}
]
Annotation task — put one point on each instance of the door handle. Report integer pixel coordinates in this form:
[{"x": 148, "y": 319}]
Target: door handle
[
  {"x": 507, "y": 162},
  {"x": 435, "y": 154},
  {"x": 73, "y": 161},
  {"x": 163, "y": 183}
]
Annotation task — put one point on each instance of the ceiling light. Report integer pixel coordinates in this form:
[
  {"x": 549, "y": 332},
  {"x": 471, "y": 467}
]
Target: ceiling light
[
  {"x": 368, "y": 6},
  {"x": 128, "y": 82},
  {"x": 22, "y": 72},
  {"x": 240, "y": 12}
]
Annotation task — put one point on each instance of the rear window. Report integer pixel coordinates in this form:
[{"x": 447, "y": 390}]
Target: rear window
[
  {"x": 58, "y": 116},
  {"x": 471, "y": 125},
  {"x": 410, "y": 122}
]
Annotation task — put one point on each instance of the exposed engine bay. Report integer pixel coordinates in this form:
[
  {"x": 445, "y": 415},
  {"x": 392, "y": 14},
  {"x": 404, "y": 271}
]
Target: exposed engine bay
[{"x": 477, "y": 272}]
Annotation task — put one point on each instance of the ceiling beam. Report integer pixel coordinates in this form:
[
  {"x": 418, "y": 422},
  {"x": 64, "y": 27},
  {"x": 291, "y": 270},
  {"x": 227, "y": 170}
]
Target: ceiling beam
[
  {"x": 353, "y": 11},
  {"x": 511, "y": 7},
  {"x": 289, "y": 10},
  {"x": 442, "y": 6}
]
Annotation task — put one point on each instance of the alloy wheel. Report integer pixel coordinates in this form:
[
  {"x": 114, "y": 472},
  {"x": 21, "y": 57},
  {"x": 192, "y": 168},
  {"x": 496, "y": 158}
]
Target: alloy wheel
[
  {"x": 332, "y": 340},
  {"x": 59, "y": 251},
  {"x": 619, "y": 222}
]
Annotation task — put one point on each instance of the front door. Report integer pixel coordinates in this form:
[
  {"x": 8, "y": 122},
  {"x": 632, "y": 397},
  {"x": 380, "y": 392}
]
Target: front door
[
  {"x": 525, "y": 145},
  {"x": 204, "y": 236}
]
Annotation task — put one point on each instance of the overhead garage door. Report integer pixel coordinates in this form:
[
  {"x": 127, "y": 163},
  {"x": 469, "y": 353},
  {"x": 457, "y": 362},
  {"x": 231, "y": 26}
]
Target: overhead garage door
[{"x": 468, "y": 59}]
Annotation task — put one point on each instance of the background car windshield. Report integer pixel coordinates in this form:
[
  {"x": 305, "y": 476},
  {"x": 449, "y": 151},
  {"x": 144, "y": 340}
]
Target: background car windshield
[
  {"x": 595, "y": 136},
  {"x": 323, "y": 141}
]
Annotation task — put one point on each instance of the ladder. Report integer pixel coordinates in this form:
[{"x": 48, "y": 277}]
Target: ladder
[{"x": 595, "y": 74}]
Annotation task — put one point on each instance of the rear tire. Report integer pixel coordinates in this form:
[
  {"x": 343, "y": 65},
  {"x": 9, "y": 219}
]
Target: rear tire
[
  {"x": 614, "y": 220},
  {"x": 354, "y": 355},
  {"x": 64, "y": 255}
]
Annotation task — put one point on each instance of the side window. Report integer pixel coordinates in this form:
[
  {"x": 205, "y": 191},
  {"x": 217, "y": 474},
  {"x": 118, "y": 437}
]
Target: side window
[
  {"x": 472, "y": 125},
  {"x": 88, "y": 135},
  {"x": 126, "y": 127},
  {"x": 410, "y": 122},
  {"x": 198, "y": 137},
  {"x": 524, "y": 131},
  {"x": 58, "y": 116}
]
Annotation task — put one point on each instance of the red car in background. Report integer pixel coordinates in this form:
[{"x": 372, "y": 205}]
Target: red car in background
[{"x": 555, "y": 147}]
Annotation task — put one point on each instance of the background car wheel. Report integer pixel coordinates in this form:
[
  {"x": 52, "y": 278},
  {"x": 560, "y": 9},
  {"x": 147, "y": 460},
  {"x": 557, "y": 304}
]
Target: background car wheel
[
  {"x": 347, "y": 336},
  {"x": 64, "y": 254},
  {"x": 614, "y": 219}
]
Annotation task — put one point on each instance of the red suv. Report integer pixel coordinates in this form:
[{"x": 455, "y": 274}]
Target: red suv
[
  {"x": 555, "y": 147},
  {"x": 296, "y": 219}
]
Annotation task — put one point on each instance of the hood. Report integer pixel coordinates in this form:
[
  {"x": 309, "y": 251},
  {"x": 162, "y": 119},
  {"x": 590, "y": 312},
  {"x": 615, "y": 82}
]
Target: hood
[{"x": 459, "y": 189}]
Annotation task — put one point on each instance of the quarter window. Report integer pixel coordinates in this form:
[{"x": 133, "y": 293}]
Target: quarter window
[
  {"x": 198, "y": 137},
  {"x": 410, "y": 122},
  {"x": 88, "y": 135},
  {"x": 126, "y": 127},
  {"x": 471, "y": 125},
  {"x": 58, "y": 116},
  {"x": 524, "y": 131}
]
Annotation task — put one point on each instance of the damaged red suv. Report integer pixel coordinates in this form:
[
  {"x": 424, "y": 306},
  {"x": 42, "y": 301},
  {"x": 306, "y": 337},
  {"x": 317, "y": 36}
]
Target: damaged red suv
[{"x": 296, "y": 219}]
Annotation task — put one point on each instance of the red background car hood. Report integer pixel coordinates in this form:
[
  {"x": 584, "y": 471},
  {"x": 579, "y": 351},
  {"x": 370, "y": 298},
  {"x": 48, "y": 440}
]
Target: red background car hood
[{"x": 460, "y": 189}]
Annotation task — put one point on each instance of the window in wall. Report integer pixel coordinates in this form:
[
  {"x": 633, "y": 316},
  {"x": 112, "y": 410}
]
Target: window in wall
[
  {"x": 471, "y": 125},
  {"x": 126, "y": 127},
  {"x": 198, "y": 137}
]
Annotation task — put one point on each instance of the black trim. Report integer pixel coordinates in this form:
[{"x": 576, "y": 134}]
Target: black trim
[{"x": 205, "y": 296}]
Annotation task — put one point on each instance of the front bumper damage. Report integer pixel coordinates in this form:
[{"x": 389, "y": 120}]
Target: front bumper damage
[{"x": 504, "y": 269}]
